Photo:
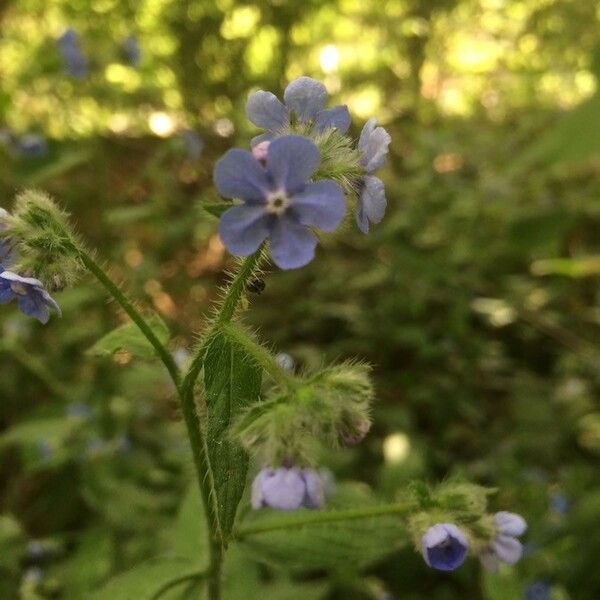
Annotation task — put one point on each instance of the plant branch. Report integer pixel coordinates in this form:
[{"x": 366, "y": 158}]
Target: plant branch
[
  {"x": 304, "y": 519},
  {"x": 114, "y": 290},
  {"x": 168, "y": 585}
]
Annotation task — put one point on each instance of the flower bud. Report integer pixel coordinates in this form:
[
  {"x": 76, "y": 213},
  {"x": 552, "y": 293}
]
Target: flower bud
[
  {"x": 287, "y": 488},
  {"x": 504, "y": 547},
  {"x": 444, "y": 547}
]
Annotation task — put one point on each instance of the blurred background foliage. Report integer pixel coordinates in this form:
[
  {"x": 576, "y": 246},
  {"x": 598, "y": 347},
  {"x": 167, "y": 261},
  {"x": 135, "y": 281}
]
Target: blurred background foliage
[{"x": 476, "y": 300}]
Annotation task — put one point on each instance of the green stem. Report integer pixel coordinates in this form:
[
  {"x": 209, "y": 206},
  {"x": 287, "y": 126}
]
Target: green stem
[
  {"x": 259, "y": 353},
  {"x": 113, "y": 289},
  {"x": 319, "y": 518}
]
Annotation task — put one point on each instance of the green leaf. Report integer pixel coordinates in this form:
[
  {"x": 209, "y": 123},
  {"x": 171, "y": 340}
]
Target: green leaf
[
  {"x": 128, "y": 337},
  {"x": 190, "y": 529},
  {"x": 332, "y": 544},
  {"x": 232, "y": 382},
  {"x": 146, "y": 580},
  {"x": 216, "y": 209}
]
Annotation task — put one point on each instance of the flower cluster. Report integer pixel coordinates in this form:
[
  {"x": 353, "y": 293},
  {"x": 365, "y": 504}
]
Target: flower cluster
[
  {"x": 32, "y": 297},
  {"x": 75, "y": 62},
  {"x": 299, "y": 175}
]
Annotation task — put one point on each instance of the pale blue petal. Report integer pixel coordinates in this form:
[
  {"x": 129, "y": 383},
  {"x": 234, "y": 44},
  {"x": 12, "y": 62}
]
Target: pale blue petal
[
  {"x": 265, "y": 110},
  {"x": 33, "y": 307},
  {"x": 320, "y": 204},
  {"x": 306, "y": 97},
  {"x": 373, "y": 144},
  {"x": 6, "y": 294},
  {"x": 257, "y": 496},
  {"x": 244, "y": 228},
  {"x": 284, "y": 489},
  {"x": 338, "y": 117},
  {"x": 508, "y": 549},
  {"x": 239, "y": 175},
  {"x": 49, "y": 301},
  {"x": 291, "y": 162},
  {"x": 292, "y": 244},
  {"x": 371, "y": 204},
  {"x": 510, "y": 523},
  {"x": 315, "y": 495}
]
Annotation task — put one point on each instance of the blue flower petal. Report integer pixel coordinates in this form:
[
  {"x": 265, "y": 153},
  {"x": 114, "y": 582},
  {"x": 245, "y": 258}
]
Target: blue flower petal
[
  {"x": 265, "y": 110},
  {"x": 239, "y": 175},
  {"x": 284, "y": 489},
  {"x": 508, "y": 549},
  {"x": 291, "y": 161},
  {"x": 32, "y": 306},
  {"x": 6, "y": 294},
  {"x": 510, "y": 523},
  {"x": 320, "y": 204},
  {"x": 371, "y": 204},
  {"x": 306, "y": 97},
  {"x": 50, "y": 302},
  {"x": 338, "y": 117},
  {"x": 315, "y": 494},
  {"x": 292, "y": 244},
  {"x": 373, "y": 144},
  {"x": 244, "y": 228},
  {"x": 444, "y": 547}
]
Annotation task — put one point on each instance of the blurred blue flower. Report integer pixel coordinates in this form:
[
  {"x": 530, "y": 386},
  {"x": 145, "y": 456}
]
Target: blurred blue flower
[
  {"x": 44, "y": 449},
  {"x": 538, "y": 590},
  {"x": 74, "y": 61},
  {"x": 373, "y": 145},
  {"x": 34, "y": 575},
  {"x": 444, "y": 547},
  {"x": 193, "y": 144},
  {"x": 32, "y": 145},
  {"x": 78, "y": 410},
  {"x": 30, "y": 294},
  {"x": 279, "y": 203},
  {"x": 287, "y": 488},
  {"x": 559, "y": 503},
  {"x": 132, "y": 51},
  {"x": 36, "y": 550},
  {"x": 303, "y": 99},
  {"x": 505, "y": 547}
]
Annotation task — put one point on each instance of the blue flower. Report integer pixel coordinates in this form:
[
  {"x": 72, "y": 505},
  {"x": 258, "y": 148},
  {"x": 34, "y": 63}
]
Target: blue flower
[
  {"x": 32, "y": 145},
  {"x": 193, "y": 144},
  {"x": 30, "y": 294},
  {"x": 373, "y": 145},
  {"x": 303, "y": 99},
  {"x": 74, "y": 62},
  {"x": 278, "y": 201},
  {"x": 538, "y": 590},
  {"x": 287, "y": 488},
  {"x": 286, "y": 362},
  {"x": 444, "y": 547},
  {"x": 505, "y": 547},
  {"x": 132, "y": 51}
]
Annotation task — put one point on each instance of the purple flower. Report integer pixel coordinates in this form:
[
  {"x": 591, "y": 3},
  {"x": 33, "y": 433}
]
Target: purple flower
[
  {"x": 31, "y": 296},
  {"x": 74, "y": 62},
  {"x": 287, "y": 489},
  {"x": 132, "y": 51},
  {"x": 444, "y": 547},
  {"x": 278, "y": 201},
  {"x": 373, "y": 145},
  {"x": 505, "y": 547},
  {"x": 303, "y": 99}
]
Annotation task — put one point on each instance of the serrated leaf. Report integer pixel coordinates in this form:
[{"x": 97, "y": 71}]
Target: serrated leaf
[
  {"x": 144, "y": 581},
  {"x": 129, "y": 338},
  {"x": 232, "y": 382},
  {"x": 336, "y": 544}
]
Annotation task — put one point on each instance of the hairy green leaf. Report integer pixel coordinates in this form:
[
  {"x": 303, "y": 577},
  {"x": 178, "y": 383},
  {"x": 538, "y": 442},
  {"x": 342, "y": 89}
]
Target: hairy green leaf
[
  {"x": 232, "y": 382},
  {"x": 128, "y": 337}
]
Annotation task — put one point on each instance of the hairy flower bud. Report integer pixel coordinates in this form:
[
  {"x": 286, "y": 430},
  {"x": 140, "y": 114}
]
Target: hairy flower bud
[{"x": 42, "y": 240}]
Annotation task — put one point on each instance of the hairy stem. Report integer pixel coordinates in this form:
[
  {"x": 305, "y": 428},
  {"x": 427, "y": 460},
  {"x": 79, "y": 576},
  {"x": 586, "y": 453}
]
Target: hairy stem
[
  {"x": 259, "y": 354},
  {"x": 318, "y": 518},
  {"x": 165, "y": 356}
]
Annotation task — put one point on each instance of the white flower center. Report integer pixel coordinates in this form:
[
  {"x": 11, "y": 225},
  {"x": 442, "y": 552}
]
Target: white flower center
[{"x": 277, "y": 202}]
